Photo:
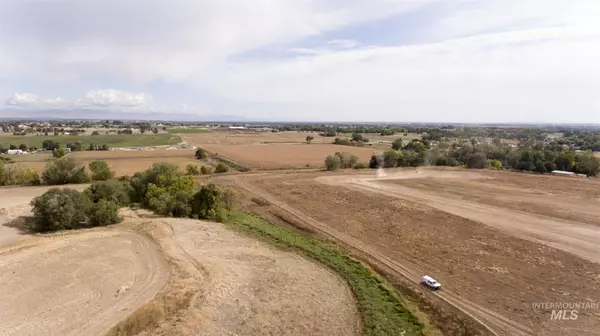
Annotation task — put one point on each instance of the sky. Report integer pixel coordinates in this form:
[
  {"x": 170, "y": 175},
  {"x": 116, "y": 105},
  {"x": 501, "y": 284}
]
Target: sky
[{"x": 307, "y": 60}]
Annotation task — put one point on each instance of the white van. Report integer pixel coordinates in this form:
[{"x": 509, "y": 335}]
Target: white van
[{"x": 429, "y": 281}]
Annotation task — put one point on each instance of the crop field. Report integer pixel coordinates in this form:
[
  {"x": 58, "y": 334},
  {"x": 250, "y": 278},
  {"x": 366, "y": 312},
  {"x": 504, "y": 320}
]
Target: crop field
[
  {"x": 279, "y": 156},
  {"x": 188, "y": 130},
  {"x": 112, "y": 140},
  {"x": 498, "y": 242}
]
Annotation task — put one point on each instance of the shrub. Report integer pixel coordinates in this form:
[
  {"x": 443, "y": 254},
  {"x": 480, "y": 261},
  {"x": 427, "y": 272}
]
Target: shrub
[
  {"x": 221, "y": 168},
  {"x": 375, "y": 161},
  {"x": 60, "y": 209},
  {"x": 210, "y": 203},
  {"x": 201, "y": 154},
  {"x": 390, "y": 159},
  {"x": 192, "y": 169},
  {"x": 104, "y": 213},
  {"x": 347, "y": 160},
  {"x": 333, "y": 162},
  {"x": 59, "y": 152},
  {"x": 476, "y": 160},
  {"x": 63, "y": 171},
  {"x": 173, "y": 197},
  {"x": 360, "y": 165},
  {"x": 95, "y": 133},
  {"x": 140, "y": 180},
  {"x": 17, "y": 174},
  {"x": 101, "y": 171},
  {"x": 207, "y": 170},
  {"x": 112, "y": 191}
]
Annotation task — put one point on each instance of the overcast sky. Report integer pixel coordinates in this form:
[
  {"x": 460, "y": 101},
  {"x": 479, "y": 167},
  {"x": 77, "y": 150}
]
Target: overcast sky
[{"x": 307, "y": 60}]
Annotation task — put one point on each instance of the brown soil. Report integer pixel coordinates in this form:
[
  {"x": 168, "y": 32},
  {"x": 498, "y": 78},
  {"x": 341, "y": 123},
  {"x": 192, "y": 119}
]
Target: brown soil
[
  {"x": 486, "y": 268},
  {"x": 282, "y": 156},
  {"x": 77, "y": 284},
  {"x": 122, "y": 162}
]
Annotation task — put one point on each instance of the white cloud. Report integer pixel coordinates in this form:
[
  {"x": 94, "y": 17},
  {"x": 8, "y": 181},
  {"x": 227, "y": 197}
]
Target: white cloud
[
  {"x": 98, "y": 99},
  {"x": 496, "y": 60},
  {"x": 22, "y": 99}
]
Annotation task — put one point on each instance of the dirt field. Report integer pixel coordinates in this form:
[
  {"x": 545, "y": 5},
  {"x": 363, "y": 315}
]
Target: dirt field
[
  {"x": 83, "y": 283},
  {"x": 495, "y": 259},
  {"x": 281, "y": 156},
  {"x": 247, "y": 138},
  {"x": 78, "y": 284},
  {"x": 122, "y": 162}
]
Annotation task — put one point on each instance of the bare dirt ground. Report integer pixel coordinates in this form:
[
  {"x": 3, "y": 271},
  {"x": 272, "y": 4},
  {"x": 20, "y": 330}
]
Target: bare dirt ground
[
  {"x": 286, "y": 156},
  {"x": 249, "y": 288},
  {"x": 491, "y": 268},
  {"x": 77, "y": 284},
  {"x": 209, "y": 279}
]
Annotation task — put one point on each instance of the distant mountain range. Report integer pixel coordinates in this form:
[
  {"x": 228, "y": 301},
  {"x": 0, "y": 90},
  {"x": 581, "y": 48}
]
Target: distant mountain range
[{"x": 115, "y": 115}]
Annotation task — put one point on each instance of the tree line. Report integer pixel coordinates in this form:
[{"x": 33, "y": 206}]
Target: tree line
[
  {"x": 537, "y": 157},
  {"x": 162, "y": 188}
]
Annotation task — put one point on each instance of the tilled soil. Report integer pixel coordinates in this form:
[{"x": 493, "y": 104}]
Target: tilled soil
[{"x": 488, "y": 267}]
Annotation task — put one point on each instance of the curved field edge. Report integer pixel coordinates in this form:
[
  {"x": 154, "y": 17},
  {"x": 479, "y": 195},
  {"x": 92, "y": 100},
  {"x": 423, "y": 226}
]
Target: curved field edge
[{"x": 382, "y": 310}]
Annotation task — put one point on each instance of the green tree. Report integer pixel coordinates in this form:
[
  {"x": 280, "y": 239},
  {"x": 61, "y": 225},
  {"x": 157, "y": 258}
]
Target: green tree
[
  {"x": 375, "y": 161},
  {"x": 111, "y": 190},
  {"x": 397, "y": 144},
  {"x": 221, "y": 168},
  {"x": 59, "y": 152},
  {"x": 101, "y": 171},
  {"x": 210, "y": 203},
  {"x": 192, "y": 169},
  {"x": 476, "y": 160},
  {"x": 60, "y": 209},
  {"x": 23, "y": 147},
  {"x": 207, "y": 170},
  {"x": 95, "y": 133},
  {"x": 201, "y": 154},
  {"x": 64, "y": 170},
  {"x": 104, "y": 213},
  {"x": 309, "y": 138}
]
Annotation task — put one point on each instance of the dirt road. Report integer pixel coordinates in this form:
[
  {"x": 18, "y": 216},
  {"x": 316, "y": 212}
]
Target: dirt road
[{"x": 77, "y": 284}]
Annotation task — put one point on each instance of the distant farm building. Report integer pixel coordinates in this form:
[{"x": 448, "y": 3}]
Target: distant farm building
[{"x": 14, "y": 152}]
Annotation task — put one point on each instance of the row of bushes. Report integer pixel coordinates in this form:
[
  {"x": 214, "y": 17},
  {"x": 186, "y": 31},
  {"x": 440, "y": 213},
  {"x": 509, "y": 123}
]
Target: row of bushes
[
  {"x": 194, "y": 169},
  {"x": 162, "y": 189},
  {"x": 60, "y": 171},
  {"x": 342, "y": 160}
]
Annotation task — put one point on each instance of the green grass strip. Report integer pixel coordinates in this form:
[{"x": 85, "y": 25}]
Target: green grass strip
[{"x": 383, "y": 311}]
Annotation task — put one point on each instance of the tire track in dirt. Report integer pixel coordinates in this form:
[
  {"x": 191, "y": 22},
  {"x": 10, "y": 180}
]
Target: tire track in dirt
[
  {"x": 494, "y": 322},
  {"x": 78, "y": 284}
]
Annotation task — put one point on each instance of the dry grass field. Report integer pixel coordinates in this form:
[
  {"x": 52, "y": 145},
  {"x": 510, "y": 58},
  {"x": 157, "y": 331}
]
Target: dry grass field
[
  {"x": 282, "y": 156},
  {"x": 121, "y": 161},
  {"x": 247, "y": 138},
  {"x": 516, "y": 240}
]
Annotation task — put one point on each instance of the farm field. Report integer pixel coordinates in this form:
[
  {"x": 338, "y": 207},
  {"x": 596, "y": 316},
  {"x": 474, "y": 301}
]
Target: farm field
[
  {"x": 123, "y": 162},
  {"x": 494, "y": 254},
  {"x": 113, "y": 140},
  {"x": 281, "y": 156},
  {"x": 188, "y": 130},
  {"x": 247, "y": 138},
  {"x": 87, "y": 282}
]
